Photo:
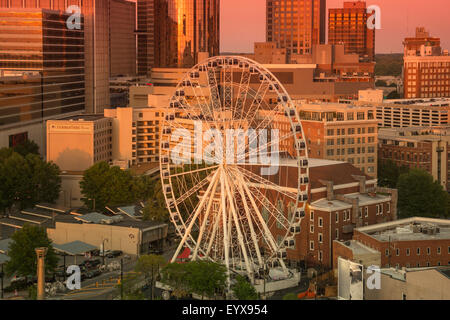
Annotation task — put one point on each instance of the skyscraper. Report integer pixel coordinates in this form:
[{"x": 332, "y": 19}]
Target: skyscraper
[
  {"x": 96, "y": 44},
  {"x": 348, "y": 25},
  {"x": 171, "y": 33},
  {"x": 41, "y": 71},
  {"x": 295, "y": 24}
]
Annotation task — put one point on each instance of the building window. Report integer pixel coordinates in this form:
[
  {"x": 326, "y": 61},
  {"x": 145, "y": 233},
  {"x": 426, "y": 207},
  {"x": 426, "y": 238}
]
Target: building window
[
  {"x": 320, "y": 222},
  {"x": 387, "y": 252},
  {"x": 360, "y": 212},
  {"x": 311, "y": 228},
  {"x": 438, "y": 250},
  {"x": 366, "y": 211},
  {"x": 408, "y": 252},
  {"x": 397, "y": 252},
  {"x": 320, "y": 255},
  {"x": 320, "y": 238},
  {"x": 337, "y": 234},
  {"x": 311, "y": 245},
  {"x": 428, "y": 251},
  {"x": 311, "y": 216},
  {"x": 418, "y": 251},
  {"x": 337, "y": 217}
]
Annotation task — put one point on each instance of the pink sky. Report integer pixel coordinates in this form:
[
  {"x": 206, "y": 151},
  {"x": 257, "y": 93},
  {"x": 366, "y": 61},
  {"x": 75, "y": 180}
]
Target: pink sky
[{"x": 243, "y": 22}]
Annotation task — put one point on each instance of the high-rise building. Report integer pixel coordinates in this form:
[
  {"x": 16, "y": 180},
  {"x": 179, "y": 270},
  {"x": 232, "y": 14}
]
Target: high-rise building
[
  {"x": 96, "y": 44},
  {"x": 171, "y": 33},
  {"x": 426, "y": 67},
  {"x": 122, "y": 48},
  {"x": 348, "y": 25},
  {"x": 42, "y": 72},
  {"x": 296, "y": 24}
]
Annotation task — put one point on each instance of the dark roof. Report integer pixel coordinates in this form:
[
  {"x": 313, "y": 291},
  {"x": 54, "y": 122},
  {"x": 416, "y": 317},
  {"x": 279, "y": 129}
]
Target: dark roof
[
  {"x": 85, "y": 117},
  {"x": 74, "y": 248},
  {"x": 445, "y": 271},
  {"x": 341, "y": 173}
]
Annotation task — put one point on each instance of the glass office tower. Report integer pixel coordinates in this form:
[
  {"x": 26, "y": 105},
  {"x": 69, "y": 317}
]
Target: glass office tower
[
  {"x": 171, "y": 33},
  {"x": 41, "y": 66},
  {"x": 295, "y": 25}
]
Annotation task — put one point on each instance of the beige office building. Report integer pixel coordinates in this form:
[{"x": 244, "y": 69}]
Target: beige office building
[
  {"x": 341, "y": 132},
  {"x": 77, "y": 142}
]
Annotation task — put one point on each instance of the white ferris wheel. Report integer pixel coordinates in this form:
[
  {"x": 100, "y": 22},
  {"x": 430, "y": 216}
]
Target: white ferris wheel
[{"x": 231, "y": 201}]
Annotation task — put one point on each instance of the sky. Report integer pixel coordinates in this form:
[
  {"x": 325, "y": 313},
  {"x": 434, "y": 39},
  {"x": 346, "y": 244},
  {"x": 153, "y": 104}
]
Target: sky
[{"x": 243, "y": 22}]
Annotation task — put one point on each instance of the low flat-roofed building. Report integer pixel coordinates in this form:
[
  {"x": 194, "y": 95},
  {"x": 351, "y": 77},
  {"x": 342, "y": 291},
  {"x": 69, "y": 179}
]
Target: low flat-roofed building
[
  {"x": 76, "y": 143},
  {"x": 118, "y": 232},
  {"x": 412, "y": 242},
  {"x": 412, "y": 284},
  {"x": 355, "y": 252}
]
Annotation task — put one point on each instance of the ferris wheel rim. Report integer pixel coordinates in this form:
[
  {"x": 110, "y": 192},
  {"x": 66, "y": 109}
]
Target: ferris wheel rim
[{"x": 280, "y": 92}]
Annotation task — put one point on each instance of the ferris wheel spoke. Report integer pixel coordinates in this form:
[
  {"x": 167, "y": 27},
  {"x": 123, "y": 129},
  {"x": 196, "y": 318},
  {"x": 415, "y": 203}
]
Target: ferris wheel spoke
[
  {"x": 226, "y": 243},
  {"x": 194, "y": 189},
  {"x": 266, "y": 184},
  {"x": 195, "y": 216},
  {"x": 242, "y": 94},
  {"x": 250, "y": 223},
  {"x": 265, "y": 146},
  {"x": 205, "y": 219},
  {"x": 212, "y": 237},
  {"x": 237, "y": 226}
]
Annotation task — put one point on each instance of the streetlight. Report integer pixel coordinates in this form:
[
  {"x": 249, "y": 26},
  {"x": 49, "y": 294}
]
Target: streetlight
[{"x": 103, "y": 250}]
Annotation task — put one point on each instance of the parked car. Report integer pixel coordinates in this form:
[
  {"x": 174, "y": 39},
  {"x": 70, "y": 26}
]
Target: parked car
[
  {"x": 93, "y": 273},
  {"x": 114, "y": 254},
  {"x": 95, "y": 253},
  {"x": 93, "y": 263}
]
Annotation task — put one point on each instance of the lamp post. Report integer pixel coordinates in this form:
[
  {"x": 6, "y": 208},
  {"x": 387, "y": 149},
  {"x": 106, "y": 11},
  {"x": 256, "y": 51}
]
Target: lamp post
[
  {"x": 103, "y": 250},
  {"x": 40, "y": 253}
]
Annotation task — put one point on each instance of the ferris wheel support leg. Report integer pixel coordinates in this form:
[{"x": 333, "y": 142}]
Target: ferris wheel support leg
[
  {"x": 269, "y": 235},
  {"x": 198, "y": 211},
  {"x": 205, "y": 218},
  {"x": 250, "y": 222},
  {"x": 226, "y": 243},
  {"x": 214, "y": 231},
  {"x": 238, "y": 229}
]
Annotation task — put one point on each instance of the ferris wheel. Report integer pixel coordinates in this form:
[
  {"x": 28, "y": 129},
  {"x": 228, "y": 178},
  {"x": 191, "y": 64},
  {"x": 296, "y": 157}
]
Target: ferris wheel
[{"x": 234, "y": 165}]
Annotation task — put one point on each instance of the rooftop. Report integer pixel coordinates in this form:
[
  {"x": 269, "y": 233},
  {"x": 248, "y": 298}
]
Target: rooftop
[
  {"x": 411, "y": 229},
  {"x": 83, "y": 117},
  {"x": 4, "y": 245},
  {"x": 74, "y": 248},
  {"x": 419, "y": 101},
  {"x": 358, "y": 248}
]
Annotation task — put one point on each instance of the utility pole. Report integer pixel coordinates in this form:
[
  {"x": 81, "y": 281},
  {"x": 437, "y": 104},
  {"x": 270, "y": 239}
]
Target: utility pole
[
  {"x": 40, "y": 253},
  {"x": 121, "y": 279}
]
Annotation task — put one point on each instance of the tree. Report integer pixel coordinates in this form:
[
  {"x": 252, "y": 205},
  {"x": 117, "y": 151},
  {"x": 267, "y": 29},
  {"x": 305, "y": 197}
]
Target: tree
[
  {"x": 206, "y": 278},
  {"x": 26, "y": 147},
  {"x": 27, "y": 180},
  {"x": 150, "y": 266},
  {"x": 243, "y": 290},
  {"x": 175, "y": 276},
  {"x": 388, "y": 173},
  {"x": 129, "y": 285},
  {"x": 22, "y": 251},
  {"x": 420, "y": 195},
  {"x": 290, "y": 296},
  {"x": 155, "y": 207},
  {"x": 107, "y": 186},
  {"x": 202, "y": 277}
]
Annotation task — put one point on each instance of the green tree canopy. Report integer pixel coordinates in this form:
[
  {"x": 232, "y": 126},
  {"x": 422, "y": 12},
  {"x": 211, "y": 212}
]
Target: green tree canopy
[
  {"x": 420, "y": 195},
  {"x": 243, "y": 290},
  {"x": 26, "y": 147},
  {"x": 27, "y": 180},
  {"x": 107, "y": 186},
  {"x": 389, "y": 172},
  {"x": 150, "y": 266},
  {"x": 155, "y": 207},
  {"x": 22, "y": 251},
  {"x": 202, "y": 277}
]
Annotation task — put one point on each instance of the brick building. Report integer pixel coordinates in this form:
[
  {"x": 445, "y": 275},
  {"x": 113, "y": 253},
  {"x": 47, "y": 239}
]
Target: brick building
[
  {"x": 413, "y": 242},
  {"x": 341, "y": 198},
  {"x": 417, "y": 147},
  {"x": 426, "y": 67},
  {"x": 348, "y": 25}
]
